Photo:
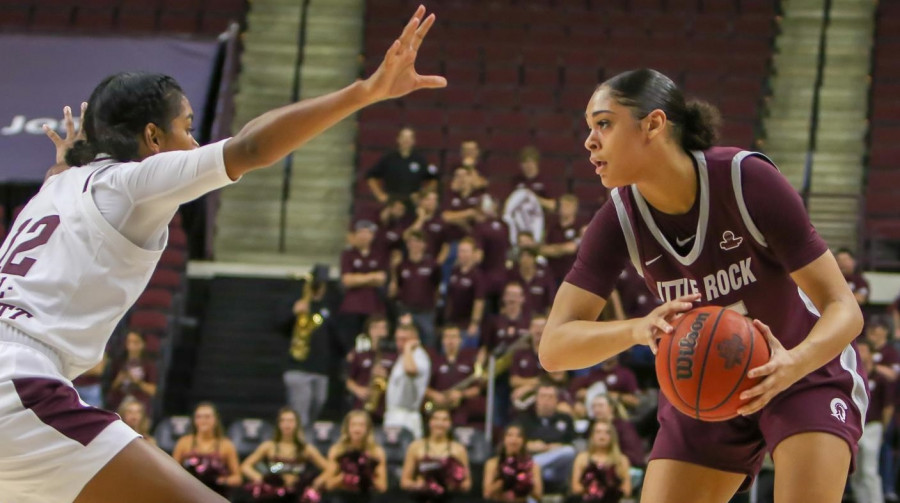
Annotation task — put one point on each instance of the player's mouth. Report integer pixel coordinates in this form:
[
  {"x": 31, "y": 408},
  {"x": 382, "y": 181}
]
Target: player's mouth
[{"x": 599, "y": 166}]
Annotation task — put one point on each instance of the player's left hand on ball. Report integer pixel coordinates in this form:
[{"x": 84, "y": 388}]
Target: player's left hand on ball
[
  {"x": 781, "y": 371},
  {"x": 659, "y": 322}
]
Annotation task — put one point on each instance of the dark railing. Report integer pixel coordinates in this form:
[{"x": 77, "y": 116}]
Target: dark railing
[{"x": 814, "y": 109}]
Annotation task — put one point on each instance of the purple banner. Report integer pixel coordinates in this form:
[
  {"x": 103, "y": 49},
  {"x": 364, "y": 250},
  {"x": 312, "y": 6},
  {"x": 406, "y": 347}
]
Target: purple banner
[{"x": 41, "y": 74}]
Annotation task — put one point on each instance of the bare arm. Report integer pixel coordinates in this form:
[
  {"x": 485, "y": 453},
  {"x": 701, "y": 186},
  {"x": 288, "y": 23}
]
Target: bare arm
[
  {"x": 268, "y": 138},
  {"x": 247, "y": 467},
  {"x": 624, "y": 470},
  {"x": 377, "y": 191},
  {"x": 380, "y": 481},
  {"x": 408, "y": 477},
  {"x": 181, "y": 448},
  {"x": 577, "y": 469},
  {"x": 234, "y": 478},
  {"x": 491, "y": 484},
  {"x": 316, "y": 457},
  {"x": 538, "y": 491},
  {"x": 463, "y": 457},
  {"x": 409, "y": 360},
  {"x": 332, "y": 474}
]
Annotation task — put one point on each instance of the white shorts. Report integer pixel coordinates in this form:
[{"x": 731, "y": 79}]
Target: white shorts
[{"x": 51, "y": 443}]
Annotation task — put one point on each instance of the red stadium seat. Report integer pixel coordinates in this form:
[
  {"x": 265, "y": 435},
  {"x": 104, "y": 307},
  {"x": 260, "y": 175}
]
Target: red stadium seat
[
  {"x": 166, "y": 278},
  {"x": 155, "y": 298},
  {"x": 149, "y": 321},
  {"x": 173, "y": 259}
]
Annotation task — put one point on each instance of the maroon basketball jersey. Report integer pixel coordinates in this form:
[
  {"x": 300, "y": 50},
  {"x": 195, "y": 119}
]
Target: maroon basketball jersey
[{"x": 729, "y": 262}]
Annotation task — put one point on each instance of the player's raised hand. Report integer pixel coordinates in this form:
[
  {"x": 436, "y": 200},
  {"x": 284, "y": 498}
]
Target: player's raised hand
[
  {"x": 781, "y": 371},
  {"x": 64, "y": 144},
  {"x": 397, "y": 76},
  {"x": 650, "y": 328}
]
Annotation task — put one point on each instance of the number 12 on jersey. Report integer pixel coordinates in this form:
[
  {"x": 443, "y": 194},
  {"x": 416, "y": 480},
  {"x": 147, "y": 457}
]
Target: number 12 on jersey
[{"x": 15, "y": 260}]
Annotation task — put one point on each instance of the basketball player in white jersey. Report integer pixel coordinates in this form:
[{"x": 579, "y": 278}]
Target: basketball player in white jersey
[{"x": 84, "y": 248}]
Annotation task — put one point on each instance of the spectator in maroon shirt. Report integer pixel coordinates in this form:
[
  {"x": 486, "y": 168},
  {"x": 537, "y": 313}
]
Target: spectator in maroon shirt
[
  {"x": 530, "y": 178},
  {"x": 526, "y": 373},
  {"x": 855, "y": 280},
  {"x": 369, "y": 360},
  {"x": 134, "y": 374},
  {"x": 470, "y": 157},
  {"x": 606, "y": 409},
  {"x": 511, "y": 324},
  {"x": 465, "y": 294},
  {"x": 463, "y": 204},
  {"x": 538, "y": 285},
  {"x": 621, "y": 384},
  {"x": 428, "y": 221},
  {"x": 525, "y": 239},
  {"x": 492, "y": 239},
  {"x": 394, "y": 219},
  {"x": 363, "y": 275},
  {"x": 884, "y": 355},
  {"x": 448, "y": 370},
  {"x": 865, "y": 481},
  {"x": 414, "y": 285},
  {"x": 562, "y": 238}
]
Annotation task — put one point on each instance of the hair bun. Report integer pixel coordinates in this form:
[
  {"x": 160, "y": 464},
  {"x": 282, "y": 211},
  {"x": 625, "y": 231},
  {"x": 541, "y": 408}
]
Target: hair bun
[{"x": 701, "y": 125}]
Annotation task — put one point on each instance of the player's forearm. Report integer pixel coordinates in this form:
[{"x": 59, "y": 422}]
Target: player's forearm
[
  {"x": 273, "y": 135},
  {"x": 579, "y": 344},
  {"x": 840, "y": 323}
]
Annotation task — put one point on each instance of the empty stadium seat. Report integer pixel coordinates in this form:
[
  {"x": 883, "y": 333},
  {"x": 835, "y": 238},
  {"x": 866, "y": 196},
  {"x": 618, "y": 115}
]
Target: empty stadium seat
[
  {"x": 169, "y": 430},
  {"x": 322, "y": 435},
  {"x": 248, "y": 433}
]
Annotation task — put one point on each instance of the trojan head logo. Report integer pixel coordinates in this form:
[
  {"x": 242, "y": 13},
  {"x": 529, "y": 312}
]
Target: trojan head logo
[
  {"x": 730, "y": 241},
  {"x": 732, "y": 351},
  {"x": 839, "y": 409}
]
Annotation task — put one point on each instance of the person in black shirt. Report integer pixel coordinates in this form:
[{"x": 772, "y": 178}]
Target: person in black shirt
[
  {"x": 550, "y": 435},
  {"x": 401, "y": 172},
  {"x": 312, "y": 360}
]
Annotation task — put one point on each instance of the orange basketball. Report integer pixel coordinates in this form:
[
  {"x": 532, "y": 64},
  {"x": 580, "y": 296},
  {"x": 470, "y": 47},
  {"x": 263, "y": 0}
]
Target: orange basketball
[{"x": 702, "y": 367}]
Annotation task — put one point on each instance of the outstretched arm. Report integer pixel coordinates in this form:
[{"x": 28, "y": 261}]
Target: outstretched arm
[{"x": 273, "y": 135}]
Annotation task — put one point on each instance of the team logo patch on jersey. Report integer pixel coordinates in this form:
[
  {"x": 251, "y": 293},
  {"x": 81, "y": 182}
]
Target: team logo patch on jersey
[
  {"x": 732, "y": 351},
  {"x": 730, "y": 241},
  {"x": 839, "y": 409}
]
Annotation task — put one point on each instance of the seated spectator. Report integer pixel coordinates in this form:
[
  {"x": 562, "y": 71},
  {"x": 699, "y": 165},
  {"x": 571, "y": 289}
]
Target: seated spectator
[
  {"x": 207, "y": 453},
  {"x": 414, "y": 286},
  {"x": 604, "y": 409},
  {"x": 884, "y": 355},
  {"x": 463, "y": 204},
  {"x": 134, "y": 374},
  {"x": 550, "y": 435},
  {"x": 363, "y": 274},
  {"x": 525, "y": 239},
  {"x": 470, "y": 157},
  {"x": 619, "y": 382},
  {"x": 512, "y": 476},
  {"x": 491, "y": 236},
  {"x": 526, "y": 373},
  {"x": 436, "y": 467},
  {"x": 291, "y": 465},
  {"x": 537, "y": 281},
  {"x": 455, "y": 383},
  {"x": 393, "y": 220},
  {"x": 505, "y": 328},
  {"x": 866, "y": 481},
  {"x": 134, "y": 414},
  {"x": 601, "y": 474},
  {"x": 368, "y": 368},
  {"x": 401, "y": 172},
  {"x": 357, "y": 466},
  {"x": 530, "y": 178},
  {"x": 407, "y": 382},
  {"x": 855, "y": 280},
  {"x": 90, "y": 384},
  {"x": 562, "y": 238},
  {"x": 465, "y": 294},
  {"x": 429, "y": 222}
]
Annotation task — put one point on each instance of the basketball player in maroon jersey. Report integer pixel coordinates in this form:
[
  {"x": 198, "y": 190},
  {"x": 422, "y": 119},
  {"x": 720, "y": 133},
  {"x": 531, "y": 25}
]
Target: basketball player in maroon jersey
[{"x": 714, "y": 225}]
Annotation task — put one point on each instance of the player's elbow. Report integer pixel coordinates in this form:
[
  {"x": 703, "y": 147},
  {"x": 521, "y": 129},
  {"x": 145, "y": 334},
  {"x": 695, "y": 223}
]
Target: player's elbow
[{"x": 551, "y": 360}]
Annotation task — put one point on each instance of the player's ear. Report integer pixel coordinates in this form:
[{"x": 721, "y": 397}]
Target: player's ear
[
  {"x": 152, "y": 137},
  {"x": 654, "y": 123}
]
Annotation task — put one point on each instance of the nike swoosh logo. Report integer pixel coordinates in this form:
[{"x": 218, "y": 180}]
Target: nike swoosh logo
[
  {"x": 653, "y": 260},
  {"x": 682, "y": 242}
]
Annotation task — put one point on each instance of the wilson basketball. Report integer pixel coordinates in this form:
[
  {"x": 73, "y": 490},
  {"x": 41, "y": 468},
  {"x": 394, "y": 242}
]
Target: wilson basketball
[{"x": 702, "y": 368}]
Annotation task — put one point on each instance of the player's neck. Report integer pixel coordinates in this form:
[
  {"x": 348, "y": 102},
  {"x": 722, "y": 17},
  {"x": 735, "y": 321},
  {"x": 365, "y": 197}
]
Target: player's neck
[{"x": 673, "y": 187}]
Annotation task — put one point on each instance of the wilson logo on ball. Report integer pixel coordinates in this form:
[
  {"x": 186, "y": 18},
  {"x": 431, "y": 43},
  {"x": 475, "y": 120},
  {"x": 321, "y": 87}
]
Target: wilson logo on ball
[
  {"x": 684, "y": 366},
  {"x": 732, "y": 351}
]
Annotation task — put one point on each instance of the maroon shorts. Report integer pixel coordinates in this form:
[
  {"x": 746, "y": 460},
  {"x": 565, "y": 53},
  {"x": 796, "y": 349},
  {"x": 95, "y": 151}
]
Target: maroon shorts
[{"x": 832, "y": 400}]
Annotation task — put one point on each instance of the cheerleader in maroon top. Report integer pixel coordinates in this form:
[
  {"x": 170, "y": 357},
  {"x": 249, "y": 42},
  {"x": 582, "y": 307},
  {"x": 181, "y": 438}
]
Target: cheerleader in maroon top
[
  {"x": 512, "y": 475},
  {"x": 600, "y": 474},
  {"x": 436, "y": 467},
  {"x": 707, "y": 225},
  {"x": 291, "y": 465},
  {"x": 207, "y": 453},
  {"x": 356, "y": 464}
]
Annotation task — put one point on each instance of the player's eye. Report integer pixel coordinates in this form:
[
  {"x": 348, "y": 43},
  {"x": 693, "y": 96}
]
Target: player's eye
[{"x": 603, "y": 124}]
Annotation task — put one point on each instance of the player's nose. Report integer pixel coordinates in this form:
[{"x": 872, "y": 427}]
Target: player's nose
[{"x": 591, "y": 143}]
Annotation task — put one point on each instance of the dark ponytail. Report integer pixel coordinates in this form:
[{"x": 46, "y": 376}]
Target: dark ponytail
[
  {"x": 695, "y": 122},
  {"x": 118, "y": 111}
]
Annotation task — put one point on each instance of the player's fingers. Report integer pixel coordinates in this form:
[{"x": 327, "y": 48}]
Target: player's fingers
[
  {"x": 774, "y": 343},
  {"x": 430, "y": 82},
  {"x": 654, "y": 344},
  {"x": 409, "y": 31},
  {"x": 54, "y": 137},
  {"x": 81, "y": 118},
  {"x": 68, "y": 122},
  {"x": 757, "y": 390},
  {"x": 661, "y": 324},
  {"x": 763, "y": 370},
  {"x": 754, "y": 406},
  {"x": 422, "y": 31}
]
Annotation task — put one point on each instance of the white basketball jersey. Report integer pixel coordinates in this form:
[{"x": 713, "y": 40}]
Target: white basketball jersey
[{"x": 67, "y": 276}]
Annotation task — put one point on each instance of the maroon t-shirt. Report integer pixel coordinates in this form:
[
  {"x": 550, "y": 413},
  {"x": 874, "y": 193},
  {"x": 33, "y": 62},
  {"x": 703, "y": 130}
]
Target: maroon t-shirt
[
  {"x": 417, "y": 283},
  {"x": 499, "y": 330},
  {"x": 620, "y": 380},
  {"x": 435, "y": 232},
  {"x": 445, "y": 373},
  {"x": 857, "y": 283},
  {"x": 558, "y": 233},
  {"x": 637, "y": 300},
  {"x": 463, "y": 289},
  {"x": 360, "y": 368},
  {"x": 880, "y": 396},
  {"x": 390, "y": 235},
  {"x": 539, "y": 291},
  {"x": 366, "y": 299},
  {"x": 459, "y": 202},
  {"x": 538, "y": 184},
  {"x": 525, "y": 364},
  {"x": 143, "y": 369},
  {"x": 492, "y": 237}
]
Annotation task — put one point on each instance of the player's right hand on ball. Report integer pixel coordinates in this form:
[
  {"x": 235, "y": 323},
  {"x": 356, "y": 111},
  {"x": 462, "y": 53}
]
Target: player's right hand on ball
[{"x": 650, "y": 328}]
